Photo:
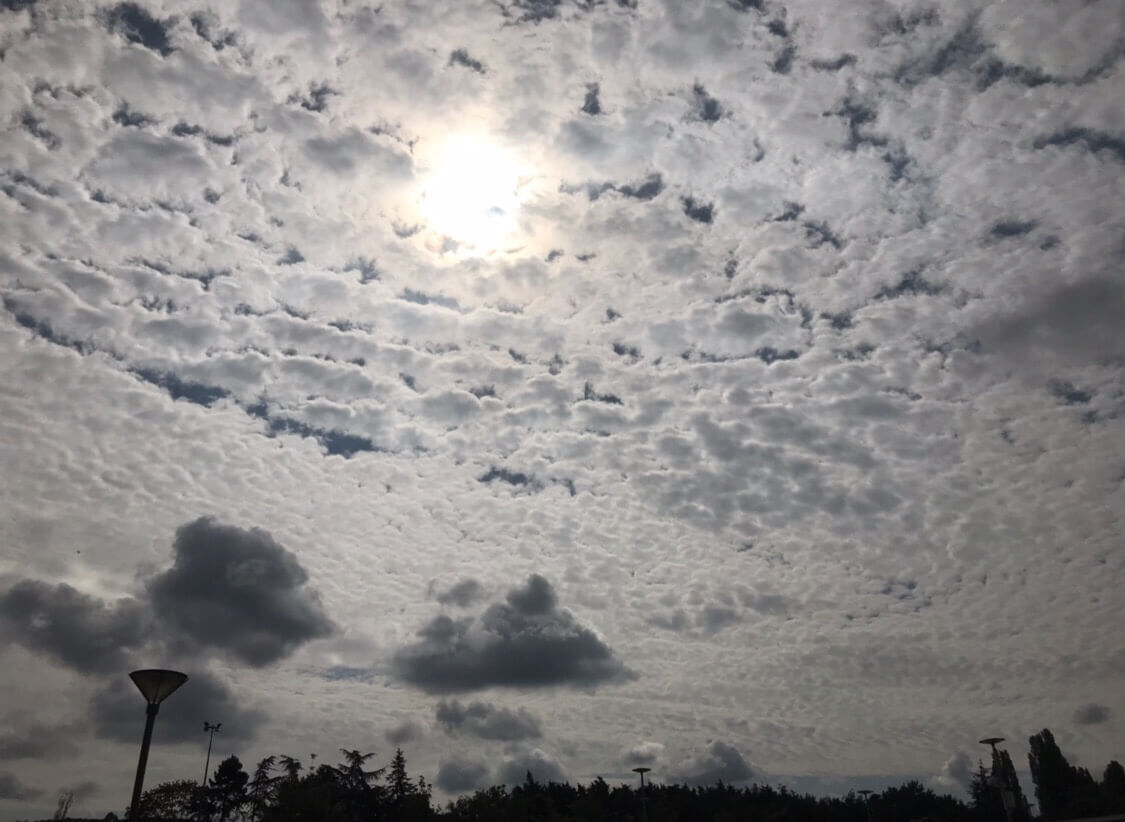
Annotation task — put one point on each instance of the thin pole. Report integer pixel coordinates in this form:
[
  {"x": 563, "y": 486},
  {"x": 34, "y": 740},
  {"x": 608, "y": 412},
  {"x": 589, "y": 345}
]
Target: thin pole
[
  {"x": 138, "y": 783},
  {"x": 207, "y": 763}
]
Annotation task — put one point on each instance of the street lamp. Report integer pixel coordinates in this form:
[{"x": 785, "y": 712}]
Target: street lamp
[
  {"x": 155, "y": 686},
  {"x": 644, "y": 798},
  {"x": 1007, "y": 798},
  {"x": 209, "y": 728},
  {"x": 866, "y": 794}
]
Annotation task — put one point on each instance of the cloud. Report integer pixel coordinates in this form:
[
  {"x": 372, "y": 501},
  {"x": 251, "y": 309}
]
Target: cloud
[
  {"x": 80, "y": 631},
  {"x": 117, "y": 710},
  {"x": 487, "y": 721},
  {"x": 461, "y": 775},
  {"x": 541, "y": 765},
  {"x": 718, "y": 761},
  {"x": 462, "y": 594},
  {"x": 643, "y": 754},
  {"x": 1091, "y": 714},
  {"x": 408, "y": 730},
  {"x": 238, "y": 591},
  {"x": 957, "y": 772},
  {"x": 37, "y": 740},
  {"x": 13, "y": 788},
  {"x": 526, "y": 641}
]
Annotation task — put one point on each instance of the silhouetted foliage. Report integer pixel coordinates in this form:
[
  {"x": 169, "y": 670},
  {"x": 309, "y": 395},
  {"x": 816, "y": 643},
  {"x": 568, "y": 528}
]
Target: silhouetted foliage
[{"x": 282, "y": 790}]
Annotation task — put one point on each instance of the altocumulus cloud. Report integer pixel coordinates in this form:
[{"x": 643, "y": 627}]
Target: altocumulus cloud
[
  {"x": 525, "y": 641},
  {"x": 239, "y": 591}
]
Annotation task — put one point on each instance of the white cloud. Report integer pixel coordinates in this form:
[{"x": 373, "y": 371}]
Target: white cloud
[{"x": 840, "y": 445}]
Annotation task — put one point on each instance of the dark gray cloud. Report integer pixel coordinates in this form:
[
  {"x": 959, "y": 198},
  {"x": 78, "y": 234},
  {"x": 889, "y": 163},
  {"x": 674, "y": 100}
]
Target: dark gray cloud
[
  {"x": 462, "y": 594},
  {"x": 80, "y": 631},
  {"x": 12, "y": 788},
  {"x": 592, "y": 105},
  {"x": 239, "y": 591},
  {"x": 406, "y": 731},
  {"x": 487, "y": 721},
  {"x": 38, "y": 741},
  {"x": 461, "y": 775},
  {"x": 1075, "y": 323},
  {"x": 461, "y": 57},
  {"x": 718, "y": 761},
  {"x": 1091, "y": 714},
  {"x": 117, "y": 711},
  {"x": 542, "y": 767},
  {"x": 526, "y": 641}
]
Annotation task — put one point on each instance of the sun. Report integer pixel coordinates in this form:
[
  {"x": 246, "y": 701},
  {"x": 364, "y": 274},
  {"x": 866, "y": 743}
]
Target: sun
[{"x": 470, "y": 193}]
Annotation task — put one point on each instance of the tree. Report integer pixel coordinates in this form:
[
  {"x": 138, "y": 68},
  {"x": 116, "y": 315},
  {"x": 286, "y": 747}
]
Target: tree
[
  {"x": 179, "y": 799},
  {"x": 63, "y": 809},
  {"x": 263, "y": 788},
  {"x": 227, "y": 790},
  {"x": 1113, "y": 782},
  {"x": 1004, "y": 778}
]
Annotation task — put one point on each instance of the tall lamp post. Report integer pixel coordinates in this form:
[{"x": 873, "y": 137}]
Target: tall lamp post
[
  {"x": 866, "y": 794},
  {"x": 1007, "y": 798},
  {"x": 155, "y": 686},
  {"x": 212, "y": 728},
  {"x": 644, "y": 797}
]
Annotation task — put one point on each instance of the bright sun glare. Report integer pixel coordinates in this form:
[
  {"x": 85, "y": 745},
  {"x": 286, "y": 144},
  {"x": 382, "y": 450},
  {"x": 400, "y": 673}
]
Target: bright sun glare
[{"x": 470, "y": 194}]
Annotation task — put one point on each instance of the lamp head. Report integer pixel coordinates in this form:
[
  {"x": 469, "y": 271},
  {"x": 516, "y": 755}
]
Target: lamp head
[
  {"x": 156, "y": 684},
  {"x": 992, "y": 740}
]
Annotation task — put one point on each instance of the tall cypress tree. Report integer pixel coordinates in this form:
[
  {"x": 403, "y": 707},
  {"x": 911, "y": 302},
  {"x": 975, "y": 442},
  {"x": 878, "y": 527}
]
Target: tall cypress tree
[{"x": 1051, "y": 774}]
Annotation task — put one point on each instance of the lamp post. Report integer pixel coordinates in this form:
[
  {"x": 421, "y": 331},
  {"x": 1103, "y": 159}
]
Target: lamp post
[
  {"x": 155, "y": 686},
  {"x": 644, "y": 797},
  {"x": 211, "y": 728},
  {"x": 866, "y": 794},
  {"x": 1007, "y": 798}
]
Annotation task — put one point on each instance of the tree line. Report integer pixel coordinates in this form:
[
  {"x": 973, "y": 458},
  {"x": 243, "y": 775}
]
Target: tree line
[{"x": 281, "y": 789}]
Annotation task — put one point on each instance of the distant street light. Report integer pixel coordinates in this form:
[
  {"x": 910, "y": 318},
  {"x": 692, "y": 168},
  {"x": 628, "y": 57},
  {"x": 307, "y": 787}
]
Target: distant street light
[
  {"x": 212, "y": 729},
  {"x": 1007, "y": 797},
  {"x": 866, "y": 794},
  {"x": 644, "y": 798},
  {"x": 155, "y": 686}
]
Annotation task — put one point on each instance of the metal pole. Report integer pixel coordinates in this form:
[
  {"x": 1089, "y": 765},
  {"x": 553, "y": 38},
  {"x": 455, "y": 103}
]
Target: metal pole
[
  {"x": 207, "y": 763},
  {"x": 138, "y": 783}
]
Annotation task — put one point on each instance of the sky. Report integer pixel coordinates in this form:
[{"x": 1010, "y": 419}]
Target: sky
[{"x": 735, "y": 388}]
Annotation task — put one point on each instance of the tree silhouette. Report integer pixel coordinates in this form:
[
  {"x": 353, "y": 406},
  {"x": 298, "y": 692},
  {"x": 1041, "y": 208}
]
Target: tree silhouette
[{"x": 227, "y": 790}]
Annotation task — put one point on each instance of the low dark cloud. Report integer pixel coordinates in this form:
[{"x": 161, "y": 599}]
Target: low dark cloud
[
  {"x": 12, "y": 788},
  {"x": 239, "y": 591},
  {"x": 542, "y": 767},
  {"x": 487, "y": 721},
  {"x": 592, "y": 105},
  {"x": 1091, "y": 714},
  {"x": 461, "y": 57},
  {"x": 80, "y": 631},
  {"x": 406, "y": 731},
  {"x": 526, "y": 641},
  {"x": 117, "y": 711},
  {"x": 707, "y": 108},
  {"x": 461, "y": 775},
  {"x": 462, "y": 594},
  {"x": 37, "y": 741},
  {"x": 700, "y": 212},
  {"x": 716, "y": 762}
]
